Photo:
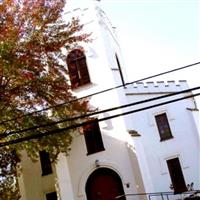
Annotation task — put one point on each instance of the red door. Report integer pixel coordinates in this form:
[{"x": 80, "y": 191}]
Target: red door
[{"x": 104, "y": 184}]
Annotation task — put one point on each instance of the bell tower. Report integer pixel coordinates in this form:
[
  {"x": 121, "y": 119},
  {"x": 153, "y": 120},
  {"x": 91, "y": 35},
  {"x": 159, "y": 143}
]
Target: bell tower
[
  {"x": 103, "y": 52},
  {"x": 94, "y": 67}
]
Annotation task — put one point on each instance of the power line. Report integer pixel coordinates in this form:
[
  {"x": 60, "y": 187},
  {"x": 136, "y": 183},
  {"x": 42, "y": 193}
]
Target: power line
[
  {"x": 27, "y": 138},
  {"x": 102, "y": 91},
  {"x": 3, "y": 135}
]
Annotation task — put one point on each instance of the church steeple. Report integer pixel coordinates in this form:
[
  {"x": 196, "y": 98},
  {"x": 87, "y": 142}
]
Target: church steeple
[{"x": 104, "y": 48}]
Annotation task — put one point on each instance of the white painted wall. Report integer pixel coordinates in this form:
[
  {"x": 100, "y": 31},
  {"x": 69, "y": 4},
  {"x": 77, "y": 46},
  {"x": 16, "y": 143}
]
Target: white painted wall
[
  {"x": 152, "y": 154},
  {"x": 115, "y": 157},
  {"x": 31, "y": 182},
  {"x": 73, "y": 171},
  {"x": 100, "y": 54},
  {"x": 63, "y": 178}
]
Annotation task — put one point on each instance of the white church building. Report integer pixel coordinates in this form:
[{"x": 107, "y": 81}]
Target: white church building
[
  {"x": 143, "y": 152},
  {"x": 168, "y": 143}
]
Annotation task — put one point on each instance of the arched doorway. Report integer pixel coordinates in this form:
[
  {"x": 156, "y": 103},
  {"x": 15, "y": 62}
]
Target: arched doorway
[{"x": 104, "y": 184}]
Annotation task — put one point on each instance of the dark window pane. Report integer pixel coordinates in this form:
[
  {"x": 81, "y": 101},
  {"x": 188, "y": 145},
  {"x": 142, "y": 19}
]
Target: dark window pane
[
  {"x": 74, "y": 76},
  {"x": 163, "y": 126},
  {"x": 77, "y": 66},
  {"x": 51, "y": 196},
  {"x": 83, "y": 71},
  {"x": 45, "y": 163},
  {"x": 176, "y": 175},
  {"x": 93, "y": 139}
]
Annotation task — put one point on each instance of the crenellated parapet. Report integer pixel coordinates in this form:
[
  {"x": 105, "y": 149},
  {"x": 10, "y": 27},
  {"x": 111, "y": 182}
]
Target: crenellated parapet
[{"x": 156, "y": 87}]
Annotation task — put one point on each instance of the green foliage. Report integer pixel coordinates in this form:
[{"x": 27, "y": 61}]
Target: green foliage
[
  {"x": 33, "y": 76},
  {"x": 8, "y": 174}
]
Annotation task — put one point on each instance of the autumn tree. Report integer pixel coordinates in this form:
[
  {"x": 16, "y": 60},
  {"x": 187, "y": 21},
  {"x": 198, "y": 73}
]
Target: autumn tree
[
  {"x": 33, "y": 37},
  {"x": 8, "y": 185}
]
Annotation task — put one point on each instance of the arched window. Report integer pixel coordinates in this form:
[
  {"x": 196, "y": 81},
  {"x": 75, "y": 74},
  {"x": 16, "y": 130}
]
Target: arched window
[{"x": 77, "y": 66}]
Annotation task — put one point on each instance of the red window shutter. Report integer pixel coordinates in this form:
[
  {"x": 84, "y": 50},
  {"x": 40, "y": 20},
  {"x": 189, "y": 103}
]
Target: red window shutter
[
  {"x": 77, "y": 67},
  {"x": 85, "y": 78},
  {"x": 73, "y": 74},
  {"x": 93, "y": 139}
]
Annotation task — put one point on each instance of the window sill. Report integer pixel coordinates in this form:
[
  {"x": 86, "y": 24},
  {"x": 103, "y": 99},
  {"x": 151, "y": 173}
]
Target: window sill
[
  {"x": 95, "y": 152},
  {"x": 81, "y": 87},
  {"x": 167, "y": 138},
  {"x": 46, "y": 174}
]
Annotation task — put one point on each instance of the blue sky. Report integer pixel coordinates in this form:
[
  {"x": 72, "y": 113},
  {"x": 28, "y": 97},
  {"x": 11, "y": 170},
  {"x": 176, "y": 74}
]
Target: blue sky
[{"x": 157, "y": 35}]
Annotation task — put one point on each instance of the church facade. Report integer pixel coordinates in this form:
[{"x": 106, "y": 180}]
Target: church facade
[{"x": 118, "y": 155}]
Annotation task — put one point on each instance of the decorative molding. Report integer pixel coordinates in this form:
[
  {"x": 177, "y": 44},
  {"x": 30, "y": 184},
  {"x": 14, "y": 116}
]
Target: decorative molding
[
  {"x": 158, "y": 87},
  {"x": 134, "y": 133}
]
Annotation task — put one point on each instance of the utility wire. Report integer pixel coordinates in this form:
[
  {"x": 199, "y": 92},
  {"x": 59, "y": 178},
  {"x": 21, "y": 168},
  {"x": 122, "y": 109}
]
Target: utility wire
[
  {"x": 3, "y": 135},
  {"x": 27, "y": 138},
  {"x": 99, "y": 92}
]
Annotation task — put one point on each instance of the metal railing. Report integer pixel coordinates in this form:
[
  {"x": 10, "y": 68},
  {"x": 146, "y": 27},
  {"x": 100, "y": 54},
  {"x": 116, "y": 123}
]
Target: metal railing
[{"x": 194, "y": 194}]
